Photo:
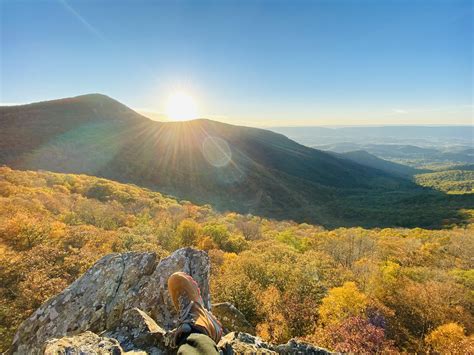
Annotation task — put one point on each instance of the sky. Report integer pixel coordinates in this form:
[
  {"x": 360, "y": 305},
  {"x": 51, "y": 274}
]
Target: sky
[{"x": 252, "y": 62}]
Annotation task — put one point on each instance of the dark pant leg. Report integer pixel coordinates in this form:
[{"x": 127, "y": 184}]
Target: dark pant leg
[{"x": 196, "y": 344}]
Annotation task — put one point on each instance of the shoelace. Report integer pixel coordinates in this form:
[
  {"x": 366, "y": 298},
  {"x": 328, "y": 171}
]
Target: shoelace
[{"x": 185, "y": 320}]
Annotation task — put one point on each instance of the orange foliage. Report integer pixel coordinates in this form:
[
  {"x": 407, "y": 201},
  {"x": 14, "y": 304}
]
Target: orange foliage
[{"x": 400, "y": 287}]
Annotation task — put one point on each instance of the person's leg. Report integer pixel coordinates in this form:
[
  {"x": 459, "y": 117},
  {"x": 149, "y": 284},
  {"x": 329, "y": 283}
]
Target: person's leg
[
  {"x": 198, "y": 330},
  {"x": 197, "y": 344}
]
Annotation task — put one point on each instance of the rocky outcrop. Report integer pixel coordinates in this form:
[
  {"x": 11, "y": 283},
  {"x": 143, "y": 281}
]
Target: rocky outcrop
[
  {"x": 299, "y": 347},
  {"x": 85, "y": 343},
  {"x": 115, "y": 284},
  {"x": 121, "y": 306},
  {"x": 231, "y": 318},
  {"x": 137, "y": 330},
  {"x": 243, "y": 343},
  {"x": 232, "y": 343}
]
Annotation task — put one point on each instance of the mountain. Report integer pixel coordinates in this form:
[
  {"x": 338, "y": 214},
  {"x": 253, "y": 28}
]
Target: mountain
[
  {"x": 231, "y": 167},
  {"x": 407, "y": 154},
  {"x": 397, "y": 151},
  {"x": 364, "y": 158},
  {"x": 26, "y": 128},
  {"x": 430, "y": 147}
]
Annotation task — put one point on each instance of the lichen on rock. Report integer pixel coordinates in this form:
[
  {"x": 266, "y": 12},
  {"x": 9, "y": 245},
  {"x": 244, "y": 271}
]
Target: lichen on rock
[
  {"x": 121, "y": 305},
  {"x": 85, "y": 343},
  {"x": 115, "y": 284},
  {"x": 231, "y": 318}
]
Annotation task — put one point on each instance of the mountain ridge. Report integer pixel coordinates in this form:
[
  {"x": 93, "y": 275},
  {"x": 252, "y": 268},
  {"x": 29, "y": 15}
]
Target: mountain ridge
[{"x": 245, "y": 169}]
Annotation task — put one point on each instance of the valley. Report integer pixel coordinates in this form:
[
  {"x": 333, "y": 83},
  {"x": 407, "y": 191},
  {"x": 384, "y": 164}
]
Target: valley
[
  {"x": 289, "y": 279},
  {"x": 87, "y": 176},
  {"x": 233, "y": 168},
  {"x": 236, "y": 177}
]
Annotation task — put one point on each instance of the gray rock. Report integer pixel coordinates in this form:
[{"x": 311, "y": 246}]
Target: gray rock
[
  {"x": 231, "y": 318},
  {"x": 85, "y": 343},
  {"x": 121, "y": 306},
  {"x": 115, "y": 284},
  {"x": 232, "y": 343},
  {"x": 137, "y": 330},
  {"x": 298, "y": 347},
  {"x": 243, "y": 343}
]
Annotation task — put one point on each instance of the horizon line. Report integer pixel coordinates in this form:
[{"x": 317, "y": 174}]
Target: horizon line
[{"x": 244, "y": 122}]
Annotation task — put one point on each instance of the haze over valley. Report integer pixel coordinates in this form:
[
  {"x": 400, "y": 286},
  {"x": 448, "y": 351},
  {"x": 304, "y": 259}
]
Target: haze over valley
[
  {"x": 285, "y": 177},
  {"x": 231, "y": 167}
]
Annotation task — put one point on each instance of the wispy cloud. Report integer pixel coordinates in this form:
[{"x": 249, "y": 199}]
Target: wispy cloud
[
  {"x": 81, "y": 19},
  {"x": 427, "y": 110},
  {"x": 399, "y": 111}
]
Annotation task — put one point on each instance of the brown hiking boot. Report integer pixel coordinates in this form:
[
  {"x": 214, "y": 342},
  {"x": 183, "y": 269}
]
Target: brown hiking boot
[{"x": 186, "y": 296}]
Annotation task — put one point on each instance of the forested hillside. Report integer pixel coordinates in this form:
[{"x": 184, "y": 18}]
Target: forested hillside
[
  {"x": 451, "y": 181},
  {"x": 349, "y": 289},
  {"x": 364, "y": 158},
  {"x": 236, "y": 168}
]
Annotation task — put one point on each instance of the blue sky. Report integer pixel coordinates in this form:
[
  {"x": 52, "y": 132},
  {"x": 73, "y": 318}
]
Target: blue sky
[{"x": 258, "y": 63}]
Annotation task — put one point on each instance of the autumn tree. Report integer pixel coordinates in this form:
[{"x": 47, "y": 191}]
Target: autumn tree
[
  {"x": 188, "y": 232},
  {"x": 450, "y": 338},
  {"x": 341, "y": 303},
  {"x": 275, "y": 327},
  {"x": 353, "y": 335}
]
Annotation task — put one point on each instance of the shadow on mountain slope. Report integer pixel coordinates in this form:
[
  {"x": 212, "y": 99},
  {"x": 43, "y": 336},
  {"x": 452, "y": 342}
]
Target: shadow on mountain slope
[{"x": 235, "y": 168}]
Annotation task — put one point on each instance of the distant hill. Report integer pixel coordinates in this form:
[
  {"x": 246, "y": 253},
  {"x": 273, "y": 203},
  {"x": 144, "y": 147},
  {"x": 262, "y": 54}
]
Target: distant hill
[
  {"x": 379, "y": 135},
  {"x": 452, "y": 181},
  {"x": 407, "y": 154},
  {"x": 399, "y": 151},
  {"x": 430, "y": 147},
  {"x": 364, "y": 158},
  {"x": 232, "y": 167},
  {"x": 462, "y": 167}
]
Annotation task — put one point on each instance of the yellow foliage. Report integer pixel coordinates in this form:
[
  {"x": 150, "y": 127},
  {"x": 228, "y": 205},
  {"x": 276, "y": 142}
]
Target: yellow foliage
[
  {"x": 53, "y": 227},
  {"x": 206, "y": 243},
  {"x": 390, "y": 272},
  {"x": 450, "y": 338},
  {"x": 23, "y": 231},
  {"x": 275, "y": 327},
  {"x": 341, "y": 303},
  {"x": 188, "y": 232}
]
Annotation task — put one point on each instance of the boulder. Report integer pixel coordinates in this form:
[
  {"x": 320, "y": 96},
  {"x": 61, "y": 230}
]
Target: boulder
[
  {"x": 115, "y": 284},
  {"x": 231, "y": 318},
  {"x": 243, "y": 343},
  {"x": 121, "y": 306},
  {"x": 295, "y": 346},
  {"x": 137, "y": 330},
  {"x": 232, "y": 343},
  {"x": 85, "y": 343}
]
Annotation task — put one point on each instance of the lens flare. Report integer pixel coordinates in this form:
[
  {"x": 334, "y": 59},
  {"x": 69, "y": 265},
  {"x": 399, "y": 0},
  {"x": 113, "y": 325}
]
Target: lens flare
[{"x": 216, "y": 151}]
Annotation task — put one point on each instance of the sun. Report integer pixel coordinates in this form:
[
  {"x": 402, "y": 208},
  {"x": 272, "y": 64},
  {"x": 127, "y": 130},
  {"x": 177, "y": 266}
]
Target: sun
[{"x": 181, "y": 106}]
